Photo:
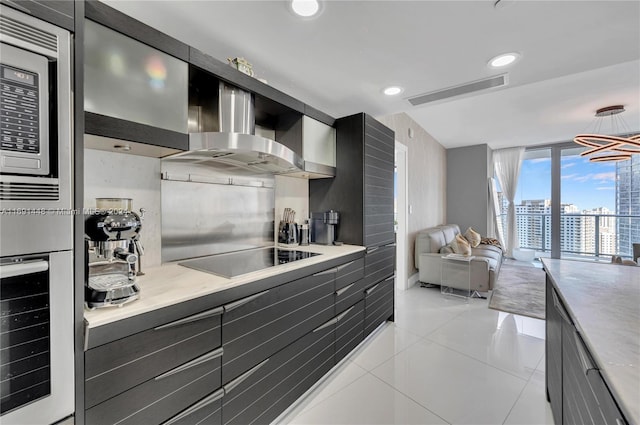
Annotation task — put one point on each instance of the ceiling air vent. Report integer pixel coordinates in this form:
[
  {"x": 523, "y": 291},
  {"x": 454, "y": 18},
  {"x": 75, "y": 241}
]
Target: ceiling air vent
[{"x": 475, "y": 86}]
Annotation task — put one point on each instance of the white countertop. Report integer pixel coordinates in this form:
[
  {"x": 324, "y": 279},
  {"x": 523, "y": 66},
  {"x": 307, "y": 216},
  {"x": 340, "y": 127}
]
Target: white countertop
[
  {"x": 604, "y": 302},
  {"x": 171, "y": 283}
]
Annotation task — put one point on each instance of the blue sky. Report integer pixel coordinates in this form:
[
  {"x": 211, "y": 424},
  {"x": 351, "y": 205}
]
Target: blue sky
[{"x": 587, "y": 185}]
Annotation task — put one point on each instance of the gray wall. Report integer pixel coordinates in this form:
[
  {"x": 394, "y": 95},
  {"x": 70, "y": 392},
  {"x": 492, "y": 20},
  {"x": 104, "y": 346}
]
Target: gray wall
[
  {"x": 468, "y": 170},
  {"x": 427, "y": 162}
]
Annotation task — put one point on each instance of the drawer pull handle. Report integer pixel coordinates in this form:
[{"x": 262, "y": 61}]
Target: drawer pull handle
[
  {"x": 370, "y": 290},
  {"x": 344, "y": 313},
  {"x": 199, "y": 405},
  {"x": 620, "y": 421},
  {"x": 390, "y": 278},
  {"x": 327, "y": 324},
  {"x": 240, "y": 379},
  {"x": 585, "y": 360},
  {"x": 236, "y": 304},
  {"x": 200, "y": 316},
  {"x": 343, "y": 290},
  {"x": 195, "y": 362},
  {"x": 330, "y": 271},
  {"x": 560, "y": 308},
  {"x": 371, "y": 250},
  {"x": 342, "y": 267},
  {"x": 390, "y": 244}
]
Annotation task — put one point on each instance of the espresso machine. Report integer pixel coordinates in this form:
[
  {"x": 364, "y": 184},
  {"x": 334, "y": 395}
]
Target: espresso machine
[
  {"x": 112, "y": 251},
  {"x": 323, "y": 227}
]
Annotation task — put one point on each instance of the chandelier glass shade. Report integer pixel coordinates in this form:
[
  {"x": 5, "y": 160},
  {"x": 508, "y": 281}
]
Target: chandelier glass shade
[{"x": 609, "y": 147}]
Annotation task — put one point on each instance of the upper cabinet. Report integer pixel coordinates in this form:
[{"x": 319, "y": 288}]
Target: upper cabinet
[
  {"x": 318, "y": 142},
  {"x": 129, "y": 80}
]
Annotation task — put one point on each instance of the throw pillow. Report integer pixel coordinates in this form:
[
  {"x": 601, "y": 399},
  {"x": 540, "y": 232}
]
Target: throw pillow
[
  {"x": 460, "y": 245},
  {"x": 446, "y": 249},
  {"x": 473, "y": 237}
]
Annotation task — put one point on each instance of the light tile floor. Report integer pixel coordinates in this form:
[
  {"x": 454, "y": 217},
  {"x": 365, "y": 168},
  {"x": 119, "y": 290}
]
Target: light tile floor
[{"x": 444, "y": 360}]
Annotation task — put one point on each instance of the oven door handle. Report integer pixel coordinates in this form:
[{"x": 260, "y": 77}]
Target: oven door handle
[{"x": 20, "y": 269}]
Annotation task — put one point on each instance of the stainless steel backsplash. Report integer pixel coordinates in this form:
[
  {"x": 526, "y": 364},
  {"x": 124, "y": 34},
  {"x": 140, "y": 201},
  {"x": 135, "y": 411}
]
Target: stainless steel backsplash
[{"x": 205, "y": 211}]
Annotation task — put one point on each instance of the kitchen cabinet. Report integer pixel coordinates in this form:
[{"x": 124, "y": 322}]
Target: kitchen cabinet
[
  {"x": 258, "y": 326},
  {"x": 57, "y": 12},
  {"x": 378, "y": 304},
  {"x": 266, "y": 390},
  {"x": 349, "y": 330},
  {"x": 575, "y": 387},
  {"x": 149, "y": 376},
  {"x": 243, "y": 361},
  {"x": 362, "y": 192},
  {"x": 318, "y": 142},
  {"x": 555, "y": 312},
  {"x": 131, "y": 81}
]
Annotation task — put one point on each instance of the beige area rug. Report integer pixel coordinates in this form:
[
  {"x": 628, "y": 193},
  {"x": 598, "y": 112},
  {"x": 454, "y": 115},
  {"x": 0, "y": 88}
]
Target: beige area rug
[{"x": 520, "y": 289}]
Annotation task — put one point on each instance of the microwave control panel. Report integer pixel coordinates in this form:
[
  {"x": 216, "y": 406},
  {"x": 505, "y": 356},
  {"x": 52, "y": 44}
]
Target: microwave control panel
[{"x": 19, "y": 118}]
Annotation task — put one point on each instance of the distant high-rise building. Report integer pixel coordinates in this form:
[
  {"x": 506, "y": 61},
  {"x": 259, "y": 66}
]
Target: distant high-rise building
[
  {"x": 628, "y": 203},
  {"x": 577, "y": 231}
]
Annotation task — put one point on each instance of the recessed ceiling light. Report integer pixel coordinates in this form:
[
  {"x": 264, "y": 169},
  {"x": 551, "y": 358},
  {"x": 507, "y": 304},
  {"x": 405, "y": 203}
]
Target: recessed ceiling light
[
  {"x": 503, "y": 60},
  {"x": 305, "y": 8},
  {"x": 393, "y": 90}
]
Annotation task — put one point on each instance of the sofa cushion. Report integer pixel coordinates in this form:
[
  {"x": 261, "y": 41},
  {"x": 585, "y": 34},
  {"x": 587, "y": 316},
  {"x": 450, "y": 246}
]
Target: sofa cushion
[
  {"x": 450, "y": 231},
  {"x": 473, "y": 237},
  {"x": 460, "y": 245}
]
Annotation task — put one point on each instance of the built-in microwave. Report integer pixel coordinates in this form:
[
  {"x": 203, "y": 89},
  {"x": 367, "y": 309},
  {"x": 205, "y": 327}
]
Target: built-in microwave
[{"x": 24, "y": 112}]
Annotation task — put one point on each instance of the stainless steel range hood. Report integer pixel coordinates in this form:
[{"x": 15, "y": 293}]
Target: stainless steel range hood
[{"x": 235, "y": 147}]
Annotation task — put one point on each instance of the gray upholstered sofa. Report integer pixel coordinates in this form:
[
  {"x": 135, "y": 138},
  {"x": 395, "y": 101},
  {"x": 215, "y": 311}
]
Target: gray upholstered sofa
[{"x": 484, "y": 267}]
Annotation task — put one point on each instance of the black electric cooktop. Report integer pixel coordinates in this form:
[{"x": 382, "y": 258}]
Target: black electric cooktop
[{"x": 240, "y": 262}]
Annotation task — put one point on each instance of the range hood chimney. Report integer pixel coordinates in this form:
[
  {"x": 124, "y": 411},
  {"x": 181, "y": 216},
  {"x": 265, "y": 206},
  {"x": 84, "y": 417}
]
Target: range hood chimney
[{"x": 235, "y": 146}]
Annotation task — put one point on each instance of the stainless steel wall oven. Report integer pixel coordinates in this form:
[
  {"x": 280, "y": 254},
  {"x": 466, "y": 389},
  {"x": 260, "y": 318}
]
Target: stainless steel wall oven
[{"x": 36, "y": 221}]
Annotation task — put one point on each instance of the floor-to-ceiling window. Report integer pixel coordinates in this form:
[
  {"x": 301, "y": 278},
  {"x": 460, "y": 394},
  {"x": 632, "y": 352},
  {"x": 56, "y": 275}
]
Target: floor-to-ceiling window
[{"x": 569, "y": 207}]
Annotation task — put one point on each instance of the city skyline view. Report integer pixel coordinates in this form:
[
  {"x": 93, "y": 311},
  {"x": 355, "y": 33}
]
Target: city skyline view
[{"x": 585, "y": 184}]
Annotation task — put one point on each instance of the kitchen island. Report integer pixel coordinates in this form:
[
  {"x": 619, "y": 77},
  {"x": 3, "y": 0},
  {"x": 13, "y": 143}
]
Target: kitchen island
[{"x": 593, "y": 342}]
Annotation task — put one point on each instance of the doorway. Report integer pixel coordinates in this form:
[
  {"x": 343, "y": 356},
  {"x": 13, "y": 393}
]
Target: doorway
[{"x": 400, "y": 202}]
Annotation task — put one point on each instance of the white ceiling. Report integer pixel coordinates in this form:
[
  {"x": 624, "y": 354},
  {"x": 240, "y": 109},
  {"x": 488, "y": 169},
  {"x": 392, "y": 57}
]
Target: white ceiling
[{"x": 577, "y": 56}]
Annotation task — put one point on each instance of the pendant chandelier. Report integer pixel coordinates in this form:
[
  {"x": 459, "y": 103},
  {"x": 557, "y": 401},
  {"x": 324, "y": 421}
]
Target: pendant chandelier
[{"x": 609, "y": 147}]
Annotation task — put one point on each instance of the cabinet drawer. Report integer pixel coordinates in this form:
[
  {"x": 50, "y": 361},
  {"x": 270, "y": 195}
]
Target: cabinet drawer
[
  {"x": 379, "y": 263},
  {"x": 265, "y": 391},
  {"x": 113, "y": 368},
  {"x": 162, "y": 397},
  {"x": 349, "y": 330},
  {"x": 349, "y": 273},
  {"x": 349, "y": 295},
  {"x": 256, "y": 327},
  {"x": 378, "y": 305}
]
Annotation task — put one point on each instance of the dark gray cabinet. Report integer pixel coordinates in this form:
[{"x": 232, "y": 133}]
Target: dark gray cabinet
[
  {"x": 162, "y": 397},
  {"x": 258, "y": 326},
  {"x": 120, "y": 365},
  {"x": 242, "y": 362},
  {"x": 378, "y": 304},
  {"x": 362, "y": 191},
  {"x": 553, "y": 357},
  {"x": 152, "y": 375},
  {"x": 349, "y": 330},
  {"x": 266, "y": 390},
  {"x": 575, "y": 387}
]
